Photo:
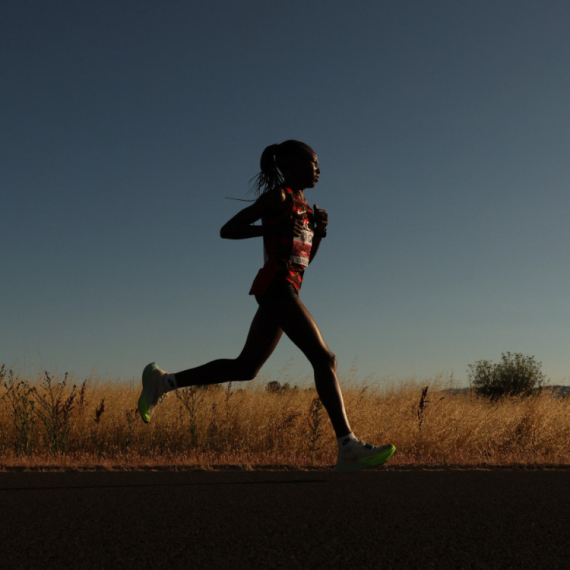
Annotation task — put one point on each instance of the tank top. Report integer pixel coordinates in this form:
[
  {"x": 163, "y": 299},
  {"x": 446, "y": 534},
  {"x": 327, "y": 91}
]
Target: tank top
[{"x": 286, "y": 256}]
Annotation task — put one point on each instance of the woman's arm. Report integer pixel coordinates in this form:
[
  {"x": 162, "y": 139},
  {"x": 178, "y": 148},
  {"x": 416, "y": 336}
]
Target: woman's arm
[
  {"x": 314, "y": 247},
  {"x": 241, "y": 225},
  {"x": 321, "y": 222}
]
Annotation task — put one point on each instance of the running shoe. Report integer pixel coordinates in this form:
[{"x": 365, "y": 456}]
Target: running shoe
[
  {"x": 362, "y": 456},
  {"x": 152, "y": 391}
]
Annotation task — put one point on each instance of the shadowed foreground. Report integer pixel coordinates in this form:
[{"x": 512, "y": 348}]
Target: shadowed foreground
[{"x": 268, "y": 519}]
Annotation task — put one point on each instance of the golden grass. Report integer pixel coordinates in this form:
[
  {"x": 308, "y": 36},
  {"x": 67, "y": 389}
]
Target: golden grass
[{"x": 246, "y": 426}]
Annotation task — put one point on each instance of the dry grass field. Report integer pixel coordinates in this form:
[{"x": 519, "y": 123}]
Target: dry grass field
[{"x": 47, "y": 422}]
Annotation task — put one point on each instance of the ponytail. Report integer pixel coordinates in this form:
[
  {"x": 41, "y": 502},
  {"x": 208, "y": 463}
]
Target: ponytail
[{"x": 269, "y": 177}]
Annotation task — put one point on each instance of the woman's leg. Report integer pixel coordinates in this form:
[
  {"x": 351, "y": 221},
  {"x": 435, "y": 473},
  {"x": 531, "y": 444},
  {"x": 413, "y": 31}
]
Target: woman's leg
[
  {"x": 263, "y": 337},
  {"x": 299, "y": 325}
]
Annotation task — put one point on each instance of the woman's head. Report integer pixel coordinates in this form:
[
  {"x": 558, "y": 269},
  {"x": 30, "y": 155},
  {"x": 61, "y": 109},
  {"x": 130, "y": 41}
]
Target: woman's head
[{"x": 291, "y": 161}]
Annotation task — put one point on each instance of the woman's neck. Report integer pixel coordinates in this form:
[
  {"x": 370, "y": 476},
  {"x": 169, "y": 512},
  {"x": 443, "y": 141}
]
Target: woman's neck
[{"x": 300, "y": 191}]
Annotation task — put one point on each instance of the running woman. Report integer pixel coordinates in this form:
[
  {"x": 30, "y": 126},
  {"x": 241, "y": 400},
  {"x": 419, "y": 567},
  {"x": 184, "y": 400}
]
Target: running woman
[{"x": 292, "y": 233}]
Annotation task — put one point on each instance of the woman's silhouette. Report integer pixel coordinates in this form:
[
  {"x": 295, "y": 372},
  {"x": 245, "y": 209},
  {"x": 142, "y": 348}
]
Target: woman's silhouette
[{"x": 292, "y": 233}]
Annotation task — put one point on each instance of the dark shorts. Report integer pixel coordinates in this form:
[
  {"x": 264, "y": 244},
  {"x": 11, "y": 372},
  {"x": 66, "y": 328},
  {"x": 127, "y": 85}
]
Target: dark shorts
[{"x": 277, "y": 293}]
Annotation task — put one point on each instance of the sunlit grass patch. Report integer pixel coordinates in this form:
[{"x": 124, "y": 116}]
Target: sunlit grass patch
[{"x": 63, "y": 423}]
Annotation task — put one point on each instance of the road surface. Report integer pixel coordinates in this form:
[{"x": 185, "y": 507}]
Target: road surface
[{"x": 385, "y": 518}]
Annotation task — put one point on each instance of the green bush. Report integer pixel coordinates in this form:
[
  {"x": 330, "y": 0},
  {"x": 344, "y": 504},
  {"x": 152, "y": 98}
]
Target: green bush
[{"x": 515, "y": 375}]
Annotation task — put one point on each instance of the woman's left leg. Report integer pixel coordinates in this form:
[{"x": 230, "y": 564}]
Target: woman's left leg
[{"x": 264, "y": 335}]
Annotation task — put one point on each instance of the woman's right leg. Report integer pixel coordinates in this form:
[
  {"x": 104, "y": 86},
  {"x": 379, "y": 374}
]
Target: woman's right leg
[
  {"x": 301, "y": 328},
  {"x": 299, "y": 325},
  {"x": 263, "y": 337}
]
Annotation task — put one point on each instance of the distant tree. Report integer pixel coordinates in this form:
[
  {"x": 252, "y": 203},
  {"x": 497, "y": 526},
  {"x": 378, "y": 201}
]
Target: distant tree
[
  {"x": 275, "y": 387},
  {"x": 515, "y": 375}
]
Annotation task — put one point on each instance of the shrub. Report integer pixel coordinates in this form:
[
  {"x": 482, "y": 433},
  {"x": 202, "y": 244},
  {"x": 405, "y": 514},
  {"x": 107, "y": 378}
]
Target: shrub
[
  {"x": 18, "y": 395},
  {"x": 54, "y": 406},
  {"x": 515, "y": 375},
  {"x": 275, "y": 387}
]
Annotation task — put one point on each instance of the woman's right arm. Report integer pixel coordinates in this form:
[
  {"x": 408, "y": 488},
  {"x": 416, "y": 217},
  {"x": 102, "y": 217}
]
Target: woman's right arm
[{"x": 241, "y": 225}]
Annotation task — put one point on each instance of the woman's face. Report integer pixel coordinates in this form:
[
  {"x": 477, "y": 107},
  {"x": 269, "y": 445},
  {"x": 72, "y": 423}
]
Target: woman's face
[{"x": 303, "y": 171}]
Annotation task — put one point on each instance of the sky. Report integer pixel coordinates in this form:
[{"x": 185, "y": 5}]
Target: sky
[{"x": 442, "y": 131}]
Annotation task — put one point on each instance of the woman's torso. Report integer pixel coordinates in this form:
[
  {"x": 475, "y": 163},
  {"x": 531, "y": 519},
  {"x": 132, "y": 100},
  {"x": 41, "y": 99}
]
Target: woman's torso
[{"x": 286, "y": 255}]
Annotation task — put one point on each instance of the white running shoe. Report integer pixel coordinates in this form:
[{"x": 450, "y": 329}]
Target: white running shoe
[
  {"x": 363, "y": 455},
  {"x": 152, "y": 392}
]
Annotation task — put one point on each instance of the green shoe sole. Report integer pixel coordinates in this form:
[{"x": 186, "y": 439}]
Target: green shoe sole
[
  {"x": 372, "y": 461},
  {"x": 144, "y": 407}
]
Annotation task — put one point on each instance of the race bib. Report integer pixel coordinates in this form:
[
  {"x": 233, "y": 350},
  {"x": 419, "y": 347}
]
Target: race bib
[{"x": 301, "y": 251}]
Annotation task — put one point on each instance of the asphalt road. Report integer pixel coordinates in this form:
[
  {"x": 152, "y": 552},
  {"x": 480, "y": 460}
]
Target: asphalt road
[{"x": 278, "y": 519}]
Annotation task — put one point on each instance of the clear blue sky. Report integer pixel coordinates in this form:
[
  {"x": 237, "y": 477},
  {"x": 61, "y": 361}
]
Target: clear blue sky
[{"x": 443, "y": 134}]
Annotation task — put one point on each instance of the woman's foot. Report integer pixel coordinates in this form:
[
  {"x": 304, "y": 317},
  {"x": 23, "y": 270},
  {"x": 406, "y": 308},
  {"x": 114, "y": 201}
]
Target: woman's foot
[
  {"x": 152, "y": 392},
  {"x": 362, "y": 455}
]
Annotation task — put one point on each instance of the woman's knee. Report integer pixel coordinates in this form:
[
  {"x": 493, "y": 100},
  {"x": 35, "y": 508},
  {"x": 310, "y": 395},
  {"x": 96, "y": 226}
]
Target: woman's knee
[
  {"x": 245, "y": 371},
  {"x": 325, "y": 359},
  {"x": 332, "y": 361}
]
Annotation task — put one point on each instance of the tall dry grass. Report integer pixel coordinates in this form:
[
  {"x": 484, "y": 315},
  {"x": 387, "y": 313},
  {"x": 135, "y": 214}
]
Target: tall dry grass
[{"x": 96, "y": 423}]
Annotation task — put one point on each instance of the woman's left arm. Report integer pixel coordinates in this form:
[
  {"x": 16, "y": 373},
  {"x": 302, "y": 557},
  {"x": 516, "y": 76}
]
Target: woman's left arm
[{"x": 321, "y": 222}]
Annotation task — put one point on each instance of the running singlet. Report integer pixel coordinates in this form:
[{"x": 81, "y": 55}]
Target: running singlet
[{"x": 286, "y": 256}]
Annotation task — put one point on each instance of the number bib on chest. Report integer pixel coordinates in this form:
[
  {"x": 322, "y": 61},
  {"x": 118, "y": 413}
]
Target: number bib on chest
[{"x": 301, "y": 252}]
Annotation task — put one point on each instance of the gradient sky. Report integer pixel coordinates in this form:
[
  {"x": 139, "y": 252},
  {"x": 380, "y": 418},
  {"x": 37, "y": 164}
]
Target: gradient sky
[{"x": 443, "y": 135}]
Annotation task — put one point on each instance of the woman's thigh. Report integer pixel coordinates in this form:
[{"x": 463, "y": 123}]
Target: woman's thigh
[
  {"x": 264, "y": 335},
  {"x": 300, "y": 326}
]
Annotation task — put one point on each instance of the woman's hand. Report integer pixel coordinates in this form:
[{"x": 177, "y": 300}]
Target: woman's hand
[
  {"x": 298, "y": 226},
  {"x": 321, "y": 220}
]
